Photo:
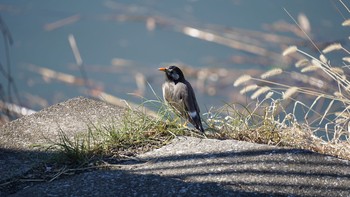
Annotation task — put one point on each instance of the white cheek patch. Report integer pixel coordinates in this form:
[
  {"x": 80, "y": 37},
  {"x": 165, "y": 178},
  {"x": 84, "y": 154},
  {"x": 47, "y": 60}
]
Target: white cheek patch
[
  {"x": 175, "y": 76},
  {"x": 193, "y": 114}
]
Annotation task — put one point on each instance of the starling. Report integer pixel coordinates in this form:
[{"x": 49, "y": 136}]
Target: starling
[{"x": 178, "y": 93}]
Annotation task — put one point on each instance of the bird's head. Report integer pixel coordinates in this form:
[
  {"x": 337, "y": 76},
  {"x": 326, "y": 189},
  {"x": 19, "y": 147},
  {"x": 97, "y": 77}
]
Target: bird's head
[{"x": 173, "y": 73}]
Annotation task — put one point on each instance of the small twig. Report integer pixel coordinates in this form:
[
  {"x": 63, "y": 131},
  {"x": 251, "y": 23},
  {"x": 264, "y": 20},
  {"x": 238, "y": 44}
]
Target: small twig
[
  {"x": 62, "y": 170},
  {"x": 8, "y": 41},
  {"x": 32, "y": 180}
]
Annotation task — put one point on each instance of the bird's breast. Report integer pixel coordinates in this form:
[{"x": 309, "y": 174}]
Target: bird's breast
[{"x": 168, "y": 91}]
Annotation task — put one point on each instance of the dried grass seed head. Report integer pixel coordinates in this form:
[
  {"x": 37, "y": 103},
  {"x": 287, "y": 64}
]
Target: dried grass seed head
[
  {"x": 301, "y": 63},
  {"x": 241, "y": 79},
  {"x": 346, "y": 59},
  {"x": 289, "y": 92},
  {"x": 332, "y": 47},
  {"x": 271, "y": 73},
  {"x": 338, "y": 94},
  {"x": 248, "y": 88},
  {"x": 323, "y": 59},
  {"x": 268, "y": 95},
  {"x": 337, "y": 70},
  {"x": 260, "y": 91},
  {"x": 289, "y": 50},
  {"x": 346, "y": 22},
  {"x": 309, "y": 68}
]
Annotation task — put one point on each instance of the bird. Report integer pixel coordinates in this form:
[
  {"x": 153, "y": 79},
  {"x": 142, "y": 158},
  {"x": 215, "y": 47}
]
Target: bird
[{"x": 179, "y": 94}]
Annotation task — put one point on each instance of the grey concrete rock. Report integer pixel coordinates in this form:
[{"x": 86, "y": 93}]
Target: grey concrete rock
[
  {"x": 207, "y": 167},
  {"x": 23, "y": 141},
  {"x": 123, "y": 183},
  {"x": 187, "y": 167},
  {"x": 254, "y": 168},
  {"x": 71, "y": 117}
]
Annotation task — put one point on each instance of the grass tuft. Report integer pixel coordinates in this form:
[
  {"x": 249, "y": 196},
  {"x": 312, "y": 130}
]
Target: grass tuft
[
  {"x": 137, "y": 132},
  {"x": 310, "y": 113}
]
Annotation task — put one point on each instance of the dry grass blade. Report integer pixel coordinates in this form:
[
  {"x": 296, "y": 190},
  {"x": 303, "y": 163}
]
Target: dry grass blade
[
  {"x": 289, "y": 50},
  {"x": 345, "y": 6},
  {"x": 312, "y": 105},
  {"x": 327, "y": 110},
  {"x": 343, "y": 114},
  {"x": 212, "y": 36},
  {"x": 271, "y": 73},
  {"x": 75, "y": 49},
  {"x": 49, "y": 74},
  {"x": 242, "y": 79},
  {"x": 62, "y": 22}
]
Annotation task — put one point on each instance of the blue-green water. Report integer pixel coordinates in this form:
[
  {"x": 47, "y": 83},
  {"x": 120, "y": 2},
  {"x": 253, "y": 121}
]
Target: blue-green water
[{"x": 102, "y": 35}]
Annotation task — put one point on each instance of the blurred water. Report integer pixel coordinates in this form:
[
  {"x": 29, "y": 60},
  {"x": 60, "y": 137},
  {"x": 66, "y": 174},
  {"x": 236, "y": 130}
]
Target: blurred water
[{"x": 101, "y": 37}]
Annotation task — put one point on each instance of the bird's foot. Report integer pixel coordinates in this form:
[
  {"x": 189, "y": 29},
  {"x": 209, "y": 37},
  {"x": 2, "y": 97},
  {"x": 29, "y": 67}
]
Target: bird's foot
[{"x": 183, "y": 125}]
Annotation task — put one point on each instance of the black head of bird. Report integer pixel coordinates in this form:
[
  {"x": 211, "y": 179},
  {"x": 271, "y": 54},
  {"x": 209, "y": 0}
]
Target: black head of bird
[
  {"x": 179, "y": 94},
  {"x": 173, "y": 74}
]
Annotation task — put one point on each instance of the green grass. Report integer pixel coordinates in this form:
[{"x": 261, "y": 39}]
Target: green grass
[{"x": 135, "y": 133}]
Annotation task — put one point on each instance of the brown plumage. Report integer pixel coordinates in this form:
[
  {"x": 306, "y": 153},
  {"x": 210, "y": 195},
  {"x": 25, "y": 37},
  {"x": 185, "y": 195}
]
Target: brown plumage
[{"x": 179, "y": 94}]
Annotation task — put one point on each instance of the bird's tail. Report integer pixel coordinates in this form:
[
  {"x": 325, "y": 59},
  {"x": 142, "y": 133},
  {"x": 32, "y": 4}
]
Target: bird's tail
[
  {"x": 198, "y": 124},
  {"x": 195, "y": 119},
  {"x": 200, "y": 127}
]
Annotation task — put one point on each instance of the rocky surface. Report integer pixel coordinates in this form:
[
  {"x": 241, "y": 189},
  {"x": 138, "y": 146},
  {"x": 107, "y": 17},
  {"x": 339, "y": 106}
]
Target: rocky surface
[
  {"x": 71, "y": 117},
  {"x": 187, "y": 167},
  {"x": 23, "y": 141}
]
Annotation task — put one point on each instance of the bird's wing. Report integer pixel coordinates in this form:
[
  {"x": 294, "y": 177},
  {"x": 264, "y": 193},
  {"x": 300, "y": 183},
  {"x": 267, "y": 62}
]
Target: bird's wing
[
  {"x": 189, "y": 99},
  {"x": 192, "y": 97}
]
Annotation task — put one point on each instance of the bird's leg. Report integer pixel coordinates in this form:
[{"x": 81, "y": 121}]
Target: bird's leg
[
  {"x": 181, "y": 122},
  {"x": 178, "y": 121},
  {"x": 185, "y": 124}
]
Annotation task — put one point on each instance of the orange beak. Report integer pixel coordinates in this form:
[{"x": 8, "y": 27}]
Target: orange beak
[{"x": 162, "y": 69}]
